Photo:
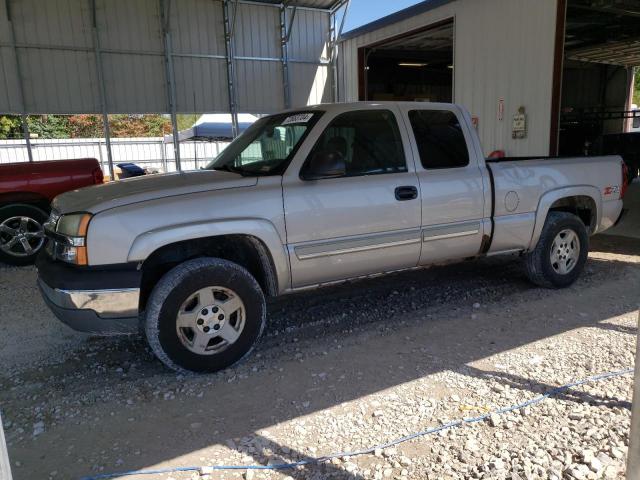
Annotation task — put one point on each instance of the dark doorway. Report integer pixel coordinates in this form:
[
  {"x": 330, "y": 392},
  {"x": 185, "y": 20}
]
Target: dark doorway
[
  {"x": 601, "y": 49},
  {"x": 417, "y": 66}
]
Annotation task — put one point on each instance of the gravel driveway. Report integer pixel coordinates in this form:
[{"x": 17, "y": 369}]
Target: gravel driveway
[{"x": 342, "y": 369}]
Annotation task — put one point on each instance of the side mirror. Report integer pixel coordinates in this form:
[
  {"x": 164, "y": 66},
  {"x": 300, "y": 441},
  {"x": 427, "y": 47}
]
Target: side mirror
[{"x": 324, "y": 165}]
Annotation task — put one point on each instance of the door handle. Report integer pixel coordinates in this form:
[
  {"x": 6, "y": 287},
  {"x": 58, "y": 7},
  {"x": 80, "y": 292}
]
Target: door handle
[{"x": 406, "y": 193}]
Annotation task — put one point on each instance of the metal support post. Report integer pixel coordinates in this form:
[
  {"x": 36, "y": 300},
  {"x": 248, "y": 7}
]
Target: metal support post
[
  {"x": 21, "y": 96},
  {"x": 334, "y": 36},
  {"x": 165, "y": 15},
  {"x": 102, "y": 88},
  {"x": 229, "y": 26},
  {"x": 163, "y": 155},
  {"x": 285, "y": 34},
  {"x": 27, "y": 135},
  {"x": 633, "y": 458}
]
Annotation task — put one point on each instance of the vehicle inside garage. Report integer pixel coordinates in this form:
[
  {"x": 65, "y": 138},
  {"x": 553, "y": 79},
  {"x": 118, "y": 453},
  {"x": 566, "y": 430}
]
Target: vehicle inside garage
[
  {"x": 417, "y": 66},
  {"x": 601, "y": 50}
]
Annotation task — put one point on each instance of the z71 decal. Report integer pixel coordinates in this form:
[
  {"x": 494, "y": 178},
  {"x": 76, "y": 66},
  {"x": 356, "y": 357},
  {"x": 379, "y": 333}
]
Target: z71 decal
[{"x": 611, "y": 190}]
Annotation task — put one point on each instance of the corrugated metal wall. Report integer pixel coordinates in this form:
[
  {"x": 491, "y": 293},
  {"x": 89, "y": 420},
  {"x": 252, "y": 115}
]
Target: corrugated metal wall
[
  {"x": 502, "y": 49},
  {"x": 55, "y": 48}
]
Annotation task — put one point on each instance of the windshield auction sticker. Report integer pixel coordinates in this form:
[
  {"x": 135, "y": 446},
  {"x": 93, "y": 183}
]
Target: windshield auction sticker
[{"x": 297, "y": 118}]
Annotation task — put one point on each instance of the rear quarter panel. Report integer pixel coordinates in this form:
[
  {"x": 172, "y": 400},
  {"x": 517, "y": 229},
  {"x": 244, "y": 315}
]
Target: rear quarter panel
[{"x": 525, "y": 190}]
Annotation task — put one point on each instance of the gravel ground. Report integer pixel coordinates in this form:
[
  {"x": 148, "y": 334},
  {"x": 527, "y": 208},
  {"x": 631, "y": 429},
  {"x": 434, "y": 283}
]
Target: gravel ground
[{"x": 345, "y": 368}]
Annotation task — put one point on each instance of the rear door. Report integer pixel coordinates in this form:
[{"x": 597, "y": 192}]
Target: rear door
[
  {"x": 451, "y": 182},
  {"x": 364, "y": 222}
]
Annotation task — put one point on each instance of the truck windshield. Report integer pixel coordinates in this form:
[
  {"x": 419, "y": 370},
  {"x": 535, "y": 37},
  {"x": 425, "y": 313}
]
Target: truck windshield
[{"x": 266, "y": 147}]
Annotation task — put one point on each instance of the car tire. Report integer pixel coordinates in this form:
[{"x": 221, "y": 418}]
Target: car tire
[
  {"x": 561, "y": 252},
  {"x": 204, "y": 315},
  {"x": 21, "y": 229}
]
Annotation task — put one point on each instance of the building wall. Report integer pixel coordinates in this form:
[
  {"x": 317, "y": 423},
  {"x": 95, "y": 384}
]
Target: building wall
[
  {"x": 55, "y": 50},
  {"x": 502, "y": 49}
]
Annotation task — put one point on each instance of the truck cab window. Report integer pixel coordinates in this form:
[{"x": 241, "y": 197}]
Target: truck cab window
[
  {"x": 439, "y": 137},
  {"x": 266, "y": 147},
  {"x": 369, "y": 141}
]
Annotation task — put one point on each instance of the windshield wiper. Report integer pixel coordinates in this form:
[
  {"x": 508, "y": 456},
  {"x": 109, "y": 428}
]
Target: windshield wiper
[
  {"x": 229, "y": 168},
  {"x": 243, "y": 172}
]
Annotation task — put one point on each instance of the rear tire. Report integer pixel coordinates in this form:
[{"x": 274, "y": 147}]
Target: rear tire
[
  {"x": 561, "y": 252},
  {"x": 204, "y": 315},
  {"x": 21, "y": 233}
]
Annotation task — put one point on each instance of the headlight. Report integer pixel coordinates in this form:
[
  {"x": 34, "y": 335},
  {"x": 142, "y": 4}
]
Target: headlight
[
  {"x": 74, "y": 225},
  {"x": 69, "y": 238}
]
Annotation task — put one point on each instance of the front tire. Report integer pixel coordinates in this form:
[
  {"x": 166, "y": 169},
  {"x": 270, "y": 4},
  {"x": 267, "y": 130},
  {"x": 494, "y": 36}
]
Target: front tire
[
  {"x": 21, "y": 233},
  {"x": 561, "y": 252},
  {"x": 204, "y": 315}
]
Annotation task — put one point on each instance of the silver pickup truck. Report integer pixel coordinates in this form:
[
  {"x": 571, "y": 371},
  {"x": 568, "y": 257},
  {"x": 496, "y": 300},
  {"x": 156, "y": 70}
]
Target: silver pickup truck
[{"x": 306, "y": 198}]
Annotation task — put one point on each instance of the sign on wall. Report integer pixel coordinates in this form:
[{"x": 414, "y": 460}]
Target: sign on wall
[{"x": 519, "y": 127}]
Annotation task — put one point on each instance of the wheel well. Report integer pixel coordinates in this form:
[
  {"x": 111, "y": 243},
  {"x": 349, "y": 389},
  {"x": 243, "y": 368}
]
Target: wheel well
[
  {"x": 245, "y": 250},
  {"x": 25, "y": 198},
  {"x": 582, "y": 206}
]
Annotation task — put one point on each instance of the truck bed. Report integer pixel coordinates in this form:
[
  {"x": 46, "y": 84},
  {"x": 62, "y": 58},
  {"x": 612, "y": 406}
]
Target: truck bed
[{"x": 520, "y": 185}]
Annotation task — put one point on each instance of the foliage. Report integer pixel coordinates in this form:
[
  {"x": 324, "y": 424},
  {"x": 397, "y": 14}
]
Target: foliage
[
  {"x": 85, "y": 126},
  {"x": 636, "y": 87},
  {"x": 186, "y": 121},
  {"x": 139, "y": 125},
  {"x": 10, "y": 127},
  {"x": 48, "y": 126}
]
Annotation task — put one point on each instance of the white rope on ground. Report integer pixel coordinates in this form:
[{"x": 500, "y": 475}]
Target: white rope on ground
[{"x": 209, "y": 469}]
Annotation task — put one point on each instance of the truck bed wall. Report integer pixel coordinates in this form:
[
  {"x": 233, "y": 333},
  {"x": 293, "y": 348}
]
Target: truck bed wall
[{"x": 520, "y": 184}]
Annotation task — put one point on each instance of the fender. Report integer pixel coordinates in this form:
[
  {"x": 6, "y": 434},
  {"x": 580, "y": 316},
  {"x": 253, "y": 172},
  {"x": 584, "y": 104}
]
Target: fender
[
  {"x": 148, "y": 242},
  {"x": 552, "y": 196}
]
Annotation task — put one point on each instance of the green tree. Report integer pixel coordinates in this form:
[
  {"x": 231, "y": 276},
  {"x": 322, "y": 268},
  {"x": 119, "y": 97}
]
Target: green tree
[
  {"x": 48, "y": 126},
  {"x": 636, "y": 87},
  {"x": 186, "y": 120},
  {"x": 10, "y": 127}
]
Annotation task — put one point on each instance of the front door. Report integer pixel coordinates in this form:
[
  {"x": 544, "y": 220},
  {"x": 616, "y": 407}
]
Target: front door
[{"x": 365, "y": 221}]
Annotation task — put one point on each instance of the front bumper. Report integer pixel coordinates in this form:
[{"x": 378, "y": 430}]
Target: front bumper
[{"x": 87, "y": 299}]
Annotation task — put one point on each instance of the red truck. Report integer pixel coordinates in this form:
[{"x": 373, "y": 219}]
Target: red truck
[{"x": 26, "y": 191}]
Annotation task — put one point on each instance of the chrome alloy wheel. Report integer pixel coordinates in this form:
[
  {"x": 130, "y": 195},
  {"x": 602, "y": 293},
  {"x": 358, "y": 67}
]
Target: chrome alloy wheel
[
  {"x": 210, "y": 320},
  {"x": 565, "y": 251},
  {"x": 21, "y": 236}
]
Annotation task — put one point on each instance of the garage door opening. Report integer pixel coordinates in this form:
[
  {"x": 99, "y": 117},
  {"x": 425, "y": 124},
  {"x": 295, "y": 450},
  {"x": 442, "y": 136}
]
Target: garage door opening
[
  {"x": 417, "y": 66},
  {"x": 601, "y": 49}
]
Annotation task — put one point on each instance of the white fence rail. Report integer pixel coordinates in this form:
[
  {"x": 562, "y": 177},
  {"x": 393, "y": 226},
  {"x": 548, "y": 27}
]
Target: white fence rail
[{"x": 148, "y": 152}]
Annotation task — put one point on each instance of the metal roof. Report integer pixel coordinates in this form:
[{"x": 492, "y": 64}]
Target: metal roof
[
  {"x": 607, "y": 31},
  {"x": 416, "y": 9},
  {"x": 318, "y": 4}
]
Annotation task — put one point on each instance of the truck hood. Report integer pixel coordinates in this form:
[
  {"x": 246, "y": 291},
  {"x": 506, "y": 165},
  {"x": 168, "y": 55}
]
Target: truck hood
[{"x": 149, "y": 187}]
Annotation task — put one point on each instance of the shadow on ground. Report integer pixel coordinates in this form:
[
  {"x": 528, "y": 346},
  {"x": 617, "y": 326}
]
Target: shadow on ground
[{"x": 325, "y": 348}]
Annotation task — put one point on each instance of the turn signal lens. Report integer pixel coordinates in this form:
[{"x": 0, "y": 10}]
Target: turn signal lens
[{"x": 73, "y": 249}]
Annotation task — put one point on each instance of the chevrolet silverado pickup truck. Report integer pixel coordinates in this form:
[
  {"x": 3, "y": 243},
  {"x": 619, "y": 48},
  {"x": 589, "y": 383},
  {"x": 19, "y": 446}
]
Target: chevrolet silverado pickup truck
[
  {"x": 306, "y": 198},
  {"x": 26, "y": 191}
]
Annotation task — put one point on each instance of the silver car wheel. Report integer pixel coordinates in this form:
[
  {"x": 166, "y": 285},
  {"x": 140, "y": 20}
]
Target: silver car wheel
[
  {"x": 210, "y": 320},
  {"x": 21, "y": 236},
  {"x": 565, "y": 251}
]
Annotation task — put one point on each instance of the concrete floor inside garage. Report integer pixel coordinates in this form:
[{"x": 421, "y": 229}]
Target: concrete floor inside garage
[{"x": 344, "y": 368}]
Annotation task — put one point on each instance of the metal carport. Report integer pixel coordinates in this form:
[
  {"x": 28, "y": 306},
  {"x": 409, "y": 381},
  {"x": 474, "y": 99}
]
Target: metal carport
[{"x": 164, "y": 56}]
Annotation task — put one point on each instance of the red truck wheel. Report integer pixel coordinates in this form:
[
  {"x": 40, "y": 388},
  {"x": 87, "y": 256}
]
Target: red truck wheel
[{"x": 21, "y": 233}]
